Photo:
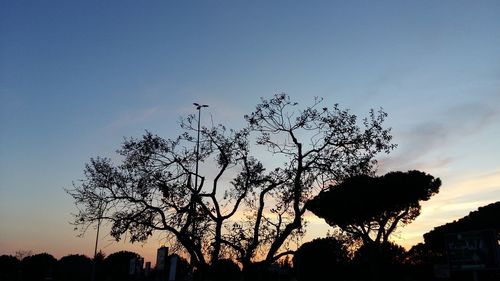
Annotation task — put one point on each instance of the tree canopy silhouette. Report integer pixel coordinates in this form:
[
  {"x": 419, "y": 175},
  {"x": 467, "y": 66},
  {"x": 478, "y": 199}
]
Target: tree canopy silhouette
[
  {"x": 74, "y": 268},
  {"x": 116, "y": 266},
  {"x": 321, "y": 259},
  {"x": 38, "y": 267},
  {"x": 9, "y": 267},
  {"x": 370, "y": 208},
  {"x": 151, "y": 187},
  {"x": 224, "y": 270},
  {"x": 379, "y": 261}
]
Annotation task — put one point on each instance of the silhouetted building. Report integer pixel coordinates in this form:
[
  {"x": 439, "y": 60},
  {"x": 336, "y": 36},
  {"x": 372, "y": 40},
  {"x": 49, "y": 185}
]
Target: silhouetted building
[
  {"x": 161, "y": 258},
  {"x": 147, "y": 269},
  {"x": 173, "y": 267},
  {"x": 161, "y": 264},
  {"x": 136, "y": 267}
]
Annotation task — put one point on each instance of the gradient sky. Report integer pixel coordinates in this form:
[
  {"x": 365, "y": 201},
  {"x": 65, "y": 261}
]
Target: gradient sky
[{"x": 78, "y": 76}]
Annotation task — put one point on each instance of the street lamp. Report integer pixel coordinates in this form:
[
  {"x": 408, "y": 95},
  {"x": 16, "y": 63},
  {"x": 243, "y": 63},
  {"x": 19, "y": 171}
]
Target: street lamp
[
  {"x": 102, "y": 208},
  {"x": 198, "y": 107}
]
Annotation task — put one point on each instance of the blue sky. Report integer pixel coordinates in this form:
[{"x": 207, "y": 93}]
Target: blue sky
[{"x": 78, "y": 76}]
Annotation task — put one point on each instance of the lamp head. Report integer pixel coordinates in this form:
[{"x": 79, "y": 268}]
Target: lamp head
[{"x": 198, "y": 106}]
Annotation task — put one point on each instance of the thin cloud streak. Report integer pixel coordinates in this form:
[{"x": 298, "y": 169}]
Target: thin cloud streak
[{"x": 426, "y": 144}]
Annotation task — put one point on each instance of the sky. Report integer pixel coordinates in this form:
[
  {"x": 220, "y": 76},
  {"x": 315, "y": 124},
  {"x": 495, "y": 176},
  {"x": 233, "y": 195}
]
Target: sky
[{"x": 78, "y": 76}]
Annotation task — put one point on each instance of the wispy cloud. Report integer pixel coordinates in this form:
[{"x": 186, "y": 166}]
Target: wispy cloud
[{"x": 426, "y": 143}]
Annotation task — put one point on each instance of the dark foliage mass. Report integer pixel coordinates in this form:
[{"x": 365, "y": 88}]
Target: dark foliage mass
[
  {"x": 379, "y": 261},
  {"x": 421, "y": 260},
  {"x": 318, "y": 259},
  {"x": 69, "y": 268},
  {"x": 9, "y": 267},
  {"x": 225, "y": 270},
  {"x": 370, "y": 208},
  {"x": 38, "y": 267},
  {"x": 116, "y": 266},
  {"x": 74, "y": 268}
]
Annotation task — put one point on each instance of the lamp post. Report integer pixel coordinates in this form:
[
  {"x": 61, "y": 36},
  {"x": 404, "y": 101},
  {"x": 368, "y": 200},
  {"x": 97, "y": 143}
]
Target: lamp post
[
  {"x": 101, "y": 213},
  {"x": 198, "y": 107}
]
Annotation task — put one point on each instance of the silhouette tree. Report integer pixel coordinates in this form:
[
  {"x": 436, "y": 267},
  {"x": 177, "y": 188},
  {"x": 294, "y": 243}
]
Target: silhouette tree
[
  {"x": 74, "y": 268},
  {"x": 380, "y": 261},
  {"x": 418, "y": 254},
  {"x": 152, "y": 188},
  {"x": 116, "y": 266},
  {"x": 321, "y": 259},
  {"x": 224, "y": 270},
  {"x": 21, "y": 254},
  {"x": 422, "y": 259},
  {"x": 97, "y": 272},
  {"x": 9, "y": 268},
  {"x": 371, "y": 208},
  {"x": 38, "y": 267}
]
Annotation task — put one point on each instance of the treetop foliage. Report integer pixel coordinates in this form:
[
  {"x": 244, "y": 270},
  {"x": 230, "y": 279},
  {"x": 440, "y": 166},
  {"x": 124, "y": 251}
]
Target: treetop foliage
[
  {"x": 371, "y": 207},
  {"x": 319, "y": 258}
]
